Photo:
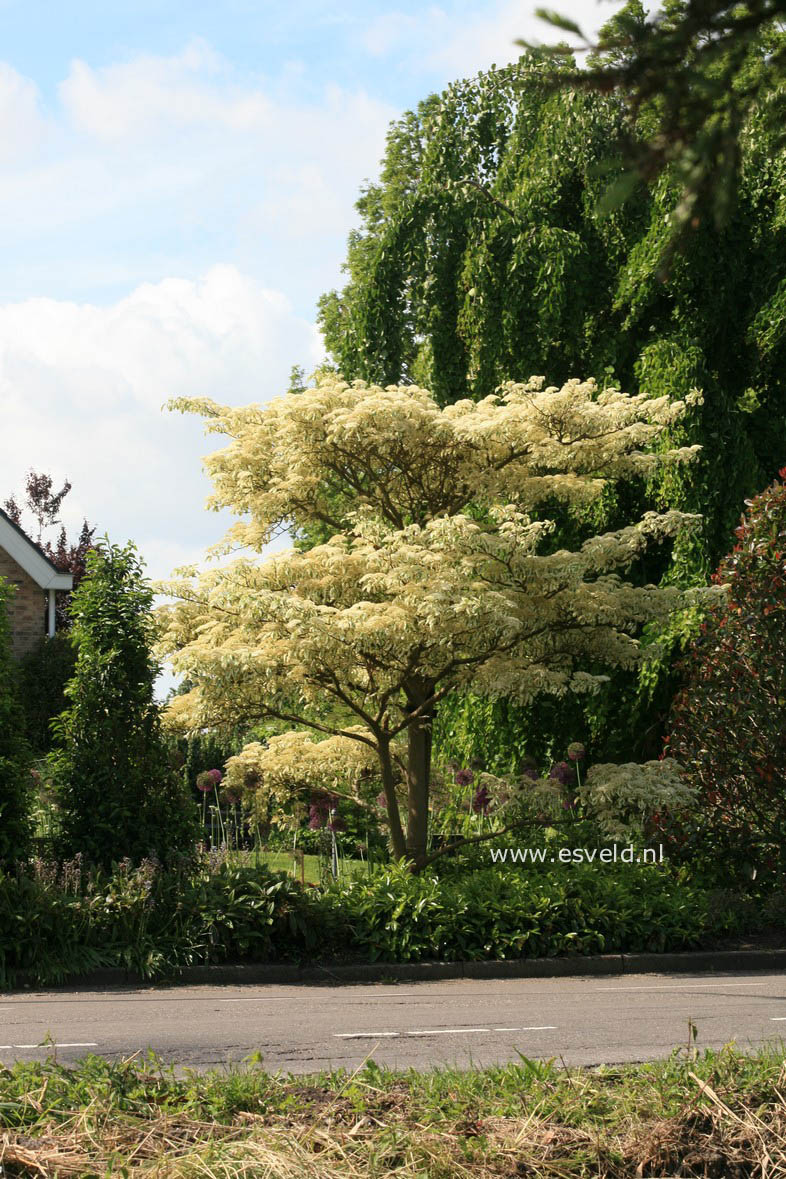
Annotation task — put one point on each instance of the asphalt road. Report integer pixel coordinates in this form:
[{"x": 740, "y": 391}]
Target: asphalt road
[{"x": 303, "y": 1029}]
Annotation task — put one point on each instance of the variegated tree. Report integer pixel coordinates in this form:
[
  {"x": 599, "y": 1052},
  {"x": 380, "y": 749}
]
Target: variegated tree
[{"x": 435, "y": 573}]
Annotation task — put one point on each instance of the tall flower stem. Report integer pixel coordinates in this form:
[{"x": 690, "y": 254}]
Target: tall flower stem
[{"x": 221, "y": 828}]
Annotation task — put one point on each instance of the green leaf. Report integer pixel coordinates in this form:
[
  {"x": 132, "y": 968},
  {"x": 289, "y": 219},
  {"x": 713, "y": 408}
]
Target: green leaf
[{"x": 559, "y": 22}]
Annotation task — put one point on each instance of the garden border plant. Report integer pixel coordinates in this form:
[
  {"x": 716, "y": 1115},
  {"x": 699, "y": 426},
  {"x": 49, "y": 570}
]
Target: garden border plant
[{"x": 60, "y": 921}]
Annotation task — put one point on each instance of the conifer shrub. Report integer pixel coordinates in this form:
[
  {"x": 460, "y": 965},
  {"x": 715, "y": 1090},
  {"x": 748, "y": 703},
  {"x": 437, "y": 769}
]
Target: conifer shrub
[{"x": 118, "y": 793}]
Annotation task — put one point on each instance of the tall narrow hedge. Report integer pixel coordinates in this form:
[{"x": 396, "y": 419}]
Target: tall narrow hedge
[{"x": 118, "y": 793}]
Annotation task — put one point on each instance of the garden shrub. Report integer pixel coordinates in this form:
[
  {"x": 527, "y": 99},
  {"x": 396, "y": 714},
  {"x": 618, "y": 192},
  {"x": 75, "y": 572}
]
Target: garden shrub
[
  {"x": 43, "y": 674},
  {"x": 15, "y": 778},
  {"x": 728, "y": 723},
  {"x": 118, "y": 794}
]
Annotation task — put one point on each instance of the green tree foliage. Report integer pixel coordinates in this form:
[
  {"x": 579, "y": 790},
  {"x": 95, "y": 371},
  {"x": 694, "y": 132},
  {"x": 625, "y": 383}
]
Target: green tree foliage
[
  {"x": 43, "y": 675},
  {"x": 483, "y": 253},
  {"x": 728, "y": 724},
  {"x": 119, "y": 796},
  {"x": 14, "y": 753},
  {"x": 701, "y": 71}
]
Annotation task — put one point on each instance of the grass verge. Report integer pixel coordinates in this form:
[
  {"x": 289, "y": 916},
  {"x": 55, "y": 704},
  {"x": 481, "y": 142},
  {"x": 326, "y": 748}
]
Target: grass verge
[
  {"x": 282, "y": 861},
  {"x": 721, "y": 1114}
]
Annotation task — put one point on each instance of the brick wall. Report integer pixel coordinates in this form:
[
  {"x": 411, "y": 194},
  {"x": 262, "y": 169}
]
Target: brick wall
[{"x": 26, "y": 609}]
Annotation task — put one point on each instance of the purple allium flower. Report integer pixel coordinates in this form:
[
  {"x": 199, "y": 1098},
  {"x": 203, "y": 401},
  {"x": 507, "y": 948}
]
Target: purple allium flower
[
  {"x": 576, "y": 751},
  {"x": 316, "y": 818},
  {"x": 562, "y": 772},
  {"x": 464, "y": 778},
  {"x": 205, "y": 782},
  {"x": 480, "y": 803},
  {"x": 216, "y": 775}
]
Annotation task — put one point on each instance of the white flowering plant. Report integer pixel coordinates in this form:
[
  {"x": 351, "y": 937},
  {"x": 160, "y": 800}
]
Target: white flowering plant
[{"x": 623, "y": 798}]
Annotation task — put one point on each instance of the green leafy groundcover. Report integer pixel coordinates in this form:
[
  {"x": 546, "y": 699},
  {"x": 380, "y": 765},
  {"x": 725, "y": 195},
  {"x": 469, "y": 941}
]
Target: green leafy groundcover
[{"x": 56, "y": 922}]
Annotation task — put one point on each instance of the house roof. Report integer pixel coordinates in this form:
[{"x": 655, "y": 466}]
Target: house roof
[{"x": 31, "y": 557}]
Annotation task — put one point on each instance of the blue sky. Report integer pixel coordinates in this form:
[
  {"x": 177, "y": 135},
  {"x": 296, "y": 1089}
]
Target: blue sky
[{"x": 177, "y": 185}]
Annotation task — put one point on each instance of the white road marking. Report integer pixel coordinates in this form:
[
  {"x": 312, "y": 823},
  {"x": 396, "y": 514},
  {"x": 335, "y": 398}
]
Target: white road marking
[
  {"x": 543, "y": 1027},
  {"x": 777, "y": 1018},
  {"x": 683, "y": 986},
  {"x": 445, "y": 1031},
  {"x": 91, "y": 1044},
  {"x": 362, "y": 1035},
  {"x": 77, "y": 1044},
  {"x": 261, "y": 999}
]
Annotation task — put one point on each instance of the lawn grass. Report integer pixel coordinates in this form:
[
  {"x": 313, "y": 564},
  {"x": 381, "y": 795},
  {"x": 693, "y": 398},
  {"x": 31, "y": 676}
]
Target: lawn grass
[
  {"x": 721, "y": 1114},
  {"x": 283, "y": 861}
]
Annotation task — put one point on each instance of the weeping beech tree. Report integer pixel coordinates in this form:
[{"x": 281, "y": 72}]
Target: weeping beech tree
[
  {"x": 435, "y": 576},
  {"x": 486, "y": 249}
]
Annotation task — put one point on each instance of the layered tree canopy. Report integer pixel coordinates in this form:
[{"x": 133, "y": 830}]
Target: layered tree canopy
[{"x": 435, "y": 575}]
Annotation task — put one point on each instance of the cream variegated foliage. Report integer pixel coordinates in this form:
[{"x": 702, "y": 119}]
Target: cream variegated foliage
[
  {"x": 435, "y": 578},
  {"x": 623, "y": 797},
  {"x": 290, "y": 766},
  {"x": 320, "y": 454}
]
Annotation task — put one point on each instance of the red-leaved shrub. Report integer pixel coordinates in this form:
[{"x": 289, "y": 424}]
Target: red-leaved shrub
[{"x": 728, "y": 723}]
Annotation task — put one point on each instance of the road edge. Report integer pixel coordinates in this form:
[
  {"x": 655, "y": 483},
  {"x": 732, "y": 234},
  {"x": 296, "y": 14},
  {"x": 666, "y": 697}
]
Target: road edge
[{"x": 285, "y": 974}]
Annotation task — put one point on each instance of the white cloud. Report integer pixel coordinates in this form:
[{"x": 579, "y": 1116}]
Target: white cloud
[
  {"x": 390, "y": 31},
  {"x": 160, "y": 165},
  {"x": 82, "y": 388},
  {"x": 313, "y": 194},
  {"x": 149, "y": 93},
  {"x": 457, "y": 46},
  {"x": 22, "y": 126}
]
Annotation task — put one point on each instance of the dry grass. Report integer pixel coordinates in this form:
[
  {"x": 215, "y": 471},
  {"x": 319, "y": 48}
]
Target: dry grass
[{"x": 563, "y": 1131}]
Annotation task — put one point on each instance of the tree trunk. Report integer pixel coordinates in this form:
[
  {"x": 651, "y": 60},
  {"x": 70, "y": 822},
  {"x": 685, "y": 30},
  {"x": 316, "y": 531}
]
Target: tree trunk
[
  {"x": 418, "y": 771},
  {"x": 397, "y": 844}
]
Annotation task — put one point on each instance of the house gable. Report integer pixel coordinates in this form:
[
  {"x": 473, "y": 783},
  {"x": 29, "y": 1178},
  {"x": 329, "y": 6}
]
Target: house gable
[{"x": 34, "y": 578}]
